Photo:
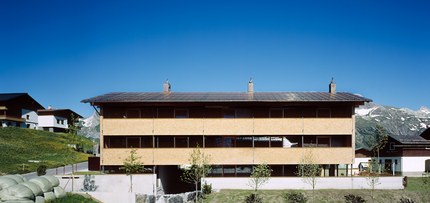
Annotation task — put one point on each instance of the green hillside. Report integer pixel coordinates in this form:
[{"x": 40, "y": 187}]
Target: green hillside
[{"x": 18, "y": 145}]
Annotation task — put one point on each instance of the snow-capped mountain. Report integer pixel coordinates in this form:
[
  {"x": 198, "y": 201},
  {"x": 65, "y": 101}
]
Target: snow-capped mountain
[
  {"x": 396, "y": 121},
  {"x": 91, "y": 126}
]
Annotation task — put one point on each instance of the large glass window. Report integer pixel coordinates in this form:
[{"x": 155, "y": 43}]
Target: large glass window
[
  {"x": 181, "y": 142},
  {"x": 165, "y": 142},
  {"x": 244, "y": 141},
  {"x": 146, "y": 142},
  {"x": 196, "y": 141},
  {"x": 181, "y": 113},
  {"x": 133, "y": 142},
  {"x": 261, "y": 141},
  {"x": 133, "y": 113}
]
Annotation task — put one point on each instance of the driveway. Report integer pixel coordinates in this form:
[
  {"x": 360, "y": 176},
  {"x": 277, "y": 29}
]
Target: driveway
[{"x": 60, "y": 170}]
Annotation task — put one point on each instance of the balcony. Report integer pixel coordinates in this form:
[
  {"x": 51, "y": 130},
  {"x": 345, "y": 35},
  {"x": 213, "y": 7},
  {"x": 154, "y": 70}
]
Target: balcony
[
  {"x": 222, "y": 126},
  {"x": 235, "y": 156}
]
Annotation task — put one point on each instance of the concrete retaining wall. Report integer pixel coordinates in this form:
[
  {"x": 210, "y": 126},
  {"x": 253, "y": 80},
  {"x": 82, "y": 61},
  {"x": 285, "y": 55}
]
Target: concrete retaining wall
[
  {"x": 298, "y": 183},
  {"x": 113, "y": 188}
]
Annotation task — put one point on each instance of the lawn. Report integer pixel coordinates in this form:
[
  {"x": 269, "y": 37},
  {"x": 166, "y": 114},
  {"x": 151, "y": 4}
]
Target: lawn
[
  {"x": 415, "y": 191},
  {"x": 75, "y": 198},
  {"x": 19, "y": 145}
]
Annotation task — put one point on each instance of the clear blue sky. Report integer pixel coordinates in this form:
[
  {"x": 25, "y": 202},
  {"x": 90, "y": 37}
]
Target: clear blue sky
[{"x": 61, "y": 52}]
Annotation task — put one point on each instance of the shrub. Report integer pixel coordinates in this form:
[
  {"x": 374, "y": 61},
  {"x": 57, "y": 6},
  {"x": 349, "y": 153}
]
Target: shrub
[
  {"x": 253, "y": 198},
  {"x": 295, "y": 197},
  {"x": 41, "y": 170},
  {"x": 406, "y": 200},
  {"x": 350, "y": 198},
  {"x": 207, "y": 188}
]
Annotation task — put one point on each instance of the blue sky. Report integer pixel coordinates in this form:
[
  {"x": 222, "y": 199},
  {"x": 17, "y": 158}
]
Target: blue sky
[{"x": 61, "y": 52}]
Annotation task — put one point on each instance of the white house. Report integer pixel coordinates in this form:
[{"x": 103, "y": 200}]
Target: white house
[{"x": 56, "y": 120}]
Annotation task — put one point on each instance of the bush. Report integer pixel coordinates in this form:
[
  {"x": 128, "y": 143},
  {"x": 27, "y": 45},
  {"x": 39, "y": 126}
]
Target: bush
[
  {"x": 41, "y": 170},
  {"x": 406, "y": 200},
  {"x": 253, "y": 198},
  {"x": 295, "y": 197},
  {"x": 350, "y": 198},
  {"x": 207, "y": 188}
]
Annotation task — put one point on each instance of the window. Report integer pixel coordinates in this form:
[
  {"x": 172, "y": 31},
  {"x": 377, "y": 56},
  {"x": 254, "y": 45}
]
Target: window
[
  {"x": 261, "y": 141},
  {"x": 276, "y": 113},
  {"x": 133, "y": 113},
  {"x": 195, "y": 141},
  {"x": 165, "y": 142},
  {"x": 323, "y": 113},
  {"x": 62, "y": 122},
  {"x": 28, "y": 117},
  {"x": 229, "y": 113},
  {"x": 323, "y": 141},
  {"x": 181, "y": 142},
  {"x": 133, "y": 142},
  {"x": 115, "y": 142},
  {"x": 309, "y": 141},
  {"x": 146, "y": 142},
  {"x": 392, "y": 147},
  {"x": 244, "y": 141},
  {"x": 58, "y": 121},
  {"x": 181, "y": 113},
  {"x": 276, "y": 142},
  {"x": 292, "y": 113}
]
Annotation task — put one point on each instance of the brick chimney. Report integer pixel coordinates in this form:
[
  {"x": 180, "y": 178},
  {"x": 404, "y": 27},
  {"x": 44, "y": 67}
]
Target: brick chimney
[
  {"x": 166, "y": 86},
  {"x": 250, "y": 86},
  {"x": 332, "y": 87}
]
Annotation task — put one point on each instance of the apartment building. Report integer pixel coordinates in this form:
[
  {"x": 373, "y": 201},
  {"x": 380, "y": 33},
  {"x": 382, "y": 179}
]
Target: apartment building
[{"x": 236, "y": 129}]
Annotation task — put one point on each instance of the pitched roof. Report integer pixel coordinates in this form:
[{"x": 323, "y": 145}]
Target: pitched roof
[
  {"x": 130, "y": 97},
  {"x": 5, "y": 97},
  {"x": 64, "y": 112},
  {"x": 9, "y": 96},
  {"x": 410, "y": 139}
]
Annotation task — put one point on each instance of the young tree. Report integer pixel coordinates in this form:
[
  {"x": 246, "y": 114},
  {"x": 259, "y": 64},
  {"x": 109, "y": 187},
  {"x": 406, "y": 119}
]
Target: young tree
[
  {"x": 260, "y": 175},
  {"x": 199, "y": 169},
  {"x": 132, "y": 165},
  {"x": 73, "y": 126},
  {"x": 373, "y": 178},
  {"x": 309, "y": 170}
]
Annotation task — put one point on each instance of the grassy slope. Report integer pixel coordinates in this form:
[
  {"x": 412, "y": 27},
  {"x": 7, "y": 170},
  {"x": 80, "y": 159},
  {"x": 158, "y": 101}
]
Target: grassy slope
[
  {"x": 18, "y": 145},
  {"x": 415, "y": 191}
]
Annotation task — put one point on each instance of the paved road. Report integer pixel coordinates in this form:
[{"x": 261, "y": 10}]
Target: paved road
[{"x": 60, "y": 170}]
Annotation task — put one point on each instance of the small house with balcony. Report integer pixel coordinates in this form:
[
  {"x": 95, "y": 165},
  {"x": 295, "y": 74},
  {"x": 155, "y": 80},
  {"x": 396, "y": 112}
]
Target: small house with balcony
[{"x": 18, "y": 110}]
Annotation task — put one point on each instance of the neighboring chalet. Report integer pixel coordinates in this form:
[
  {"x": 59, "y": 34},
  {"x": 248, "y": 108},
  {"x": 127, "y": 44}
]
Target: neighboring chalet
[
  {"x": 56, "y": 120},
  {"x": 236, "y": 129},
  {"x": 21, "y": 110},
  {"x": 406, "y": 155},
  {"x": 18, "y": 110}
]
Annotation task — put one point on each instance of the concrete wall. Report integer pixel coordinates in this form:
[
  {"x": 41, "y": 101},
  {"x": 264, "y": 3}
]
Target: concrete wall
[
  {"x": 51, "y": 121},
  {"x": 413, "y": 166},
  {"x": 298, "y": 183},
  {"x": 409, "y": 166},
  {"x": 142, "y": 184}
]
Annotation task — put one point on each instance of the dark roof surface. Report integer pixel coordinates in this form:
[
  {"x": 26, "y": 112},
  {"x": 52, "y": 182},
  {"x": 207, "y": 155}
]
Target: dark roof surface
[
  {"x": 67, "y": 112},
  {"x": 410, "y": 139},
  {"x": 125, "y": 97},
  {"x": 9, "y": 96}
]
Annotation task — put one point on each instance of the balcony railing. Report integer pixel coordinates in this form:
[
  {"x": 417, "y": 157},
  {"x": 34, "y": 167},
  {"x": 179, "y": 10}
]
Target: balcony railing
[
  {"x": 238, "y": 156},
  {"x": 220, "y": 126}
]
